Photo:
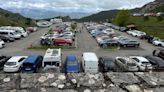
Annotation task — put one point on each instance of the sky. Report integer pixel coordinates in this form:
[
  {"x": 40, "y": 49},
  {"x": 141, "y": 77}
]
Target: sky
[{"x": 73, "y": 5}]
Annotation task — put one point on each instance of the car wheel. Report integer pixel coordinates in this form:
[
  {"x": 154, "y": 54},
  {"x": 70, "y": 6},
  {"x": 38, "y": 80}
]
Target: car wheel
[
  {"x": 104, "y": 46},
  {"x": 159, "y": 44}
]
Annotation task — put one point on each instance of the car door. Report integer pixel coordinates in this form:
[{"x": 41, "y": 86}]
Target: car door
[
  {"x": 20, "y": 61},
  {"x": 138, "y": 63}
]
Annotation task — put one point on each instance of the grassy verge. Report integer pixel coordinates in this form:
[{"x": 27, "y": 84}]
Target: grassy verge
[
  {"x": 150, "y": 26},
  {"x": 51, "y": 47}
]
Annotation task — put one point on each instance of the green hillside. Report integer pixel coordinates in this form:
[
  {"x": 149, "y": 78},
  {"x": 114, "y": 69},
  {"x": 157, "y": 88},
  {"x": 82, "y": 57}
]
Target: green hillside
[
  {"x": 151, "y": 26},
  {"x": 12, "y": 19},
  {"x": 101, "y": 16}
]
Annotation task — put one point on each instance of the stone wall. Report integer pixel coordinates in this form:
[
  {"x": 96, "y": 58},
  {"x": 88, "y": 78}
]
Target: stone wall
[{"x": 81, "y": 82}]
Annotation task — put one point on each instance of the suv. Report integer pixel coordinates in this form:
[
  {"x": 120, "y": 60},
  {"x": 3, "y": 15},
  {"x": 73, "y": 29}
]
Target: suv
[
  {"x": 128, "y": 43},
  {"x": 159, "y": 53},
  {"x": 108, "y": 42}
]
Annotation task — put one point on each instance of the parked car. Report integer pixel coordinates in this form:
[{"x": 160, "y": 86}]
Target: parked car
[
  {"x": 32, "y": 64},
  {"x": 72, "y": 64},
  {"x": 10, "y": 33},
  {"x": 106, "y": 64},
  {"x": 119, "y": 37},
  {"x": 128, "y": 43},
  {"x": 68, "y": 33},
  {"x": 158, "y": 42},
  {"x": 101, "y": 38},
  {"x": 157, "y": 63},
  {"x": 7, "y": 38},
  {"x": 2, "y": 44},
  {"x": 61, "y": 41},
  {"x": 126, "y": 64},
  {"x": 3, "y": 60},
  {"x": 90, "y": 62},
  {"x": 159, "y": 53},
  {"x": 137, "y": 33},
  {"x": 142, "y": 63},
  {"x": 14, "y": 64},
  {"x": 108, "y": 31},
  {"x": 108, "y": 42}
]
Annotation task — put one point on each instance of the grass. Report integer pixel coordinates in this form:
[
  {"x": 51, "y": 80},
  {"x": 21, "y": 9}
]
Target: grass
[
  {"x": 151, "y": 26},
  {"x": 51, "y": 47}
]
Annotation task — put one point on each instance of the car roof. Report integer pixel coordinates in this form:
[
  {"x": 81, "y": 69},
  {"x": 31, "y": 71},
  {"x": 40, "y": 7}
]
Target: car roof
[
  {"x": 140, "y": 58},
  {"x": 15, "y": 58},
  {"x": 31, "y": 59},
  {"x": 90, "y": 56},
  {"x": 71, "y": 58}
]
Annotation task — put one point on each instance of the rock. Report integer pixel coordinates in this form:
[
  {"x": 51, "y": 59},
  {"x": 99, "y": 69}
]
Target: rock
[
  {"x": 54, "y": 84},
  {"x": 74, "y": 81},
  {"x": 43, "y": 90},
  {"x": 42, "y": 79},
  {"x": 122, "y": 78},
  {"x": 153, "y": 79},
  {"x": 61, "y": 77},
  {"x": 87, "y": 90},
  {"x": 50, "y": 75},
  {"x": 133, "y": 88},
  {"x": 61, "y": 86},
  {"x": 91, "y": 81},
  {"x": 6, "y": 79},
  {"x": 104, "y": 85}
]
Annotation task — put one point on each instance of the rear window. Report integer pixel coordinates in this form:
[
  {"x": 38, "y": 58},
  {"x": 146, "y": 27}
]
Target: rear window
[
  {"x": 27, "y": 64},
  {"x": 71, "y": 63},
  {"x": 131, "y": 64},
  {"x": 10, "y": 63}
]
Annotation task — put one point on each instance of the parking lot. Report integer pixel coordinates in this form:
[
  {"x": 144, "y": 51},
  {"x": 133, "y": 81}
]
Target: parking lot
[{"x": 85, "y": 43}]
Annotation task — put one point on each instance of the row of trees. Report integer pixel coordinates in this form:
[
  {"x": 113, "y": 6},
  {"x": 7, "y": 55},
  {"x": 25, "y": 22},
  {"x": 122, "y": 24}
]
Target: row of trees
[{"x": 123, "y": 16}]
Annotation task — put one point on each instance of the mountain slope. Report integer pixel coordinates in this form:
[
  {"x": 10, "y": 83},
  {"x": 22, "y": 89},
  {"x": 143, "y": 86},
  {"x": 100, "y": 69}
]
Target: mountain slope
[
  {"x": 101, "y": 16},
  {"x": 156, "y": 6},
  {"x": 13, "y": 19}
]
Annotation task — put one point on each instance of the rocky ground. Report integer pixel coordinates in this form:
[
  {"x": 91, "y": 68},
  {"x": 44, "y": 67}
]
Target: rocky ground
[{"x": 81, "y": 82}]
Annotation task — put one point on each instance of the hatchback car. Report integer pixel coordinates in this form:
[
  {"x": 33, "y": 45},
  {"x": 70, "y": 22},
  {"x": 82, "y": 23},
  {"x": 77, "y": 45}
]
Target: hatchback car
[
  {"x": 14, "y": 64},
  {"x": 72, "y": 64},
  {"x": 106, "y": 64},
  {"x": 157, "y": 63},
  {"x": 126, "y": 64},
  {"x": 32, "y": 64},
  {"x": 142, "y": 63}
]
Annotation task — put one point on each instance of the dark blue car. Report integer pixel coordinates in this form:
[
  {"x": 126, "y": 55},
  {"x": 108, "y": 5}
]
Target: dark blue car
[
  {"x": 71, "y": 64},
  {"x": 32, "y": 63}
]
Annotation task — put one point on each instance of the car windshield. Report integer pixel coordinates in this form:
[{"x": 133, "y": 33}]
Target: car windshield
[
  {"x": 10, "y": 63},
  {"x": 71, "y": 63},
  {"x": 131, "y": 64},
  {"x": 109, "y": 62}
]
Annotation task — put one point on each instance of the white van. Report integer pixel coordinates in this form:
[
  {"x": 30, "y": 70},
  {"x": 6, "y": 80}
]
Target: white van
[
  {"x": 10, "y": 33},
  {"x": 89, "y": 62},
  {"x": 52, "y": 57},
  {"x": 19, "y": 30}
]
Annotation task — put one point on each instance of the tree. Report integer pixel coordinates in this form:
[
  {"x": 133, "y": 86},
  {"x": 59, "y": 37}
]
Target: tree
[
  {"x": 73, "y": 26},
  {"x": 122, "y": 18}
]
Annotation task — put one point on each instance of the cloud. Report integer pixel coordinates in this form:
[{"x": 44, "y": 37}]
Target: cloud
[{"x": 74, "y": 5}]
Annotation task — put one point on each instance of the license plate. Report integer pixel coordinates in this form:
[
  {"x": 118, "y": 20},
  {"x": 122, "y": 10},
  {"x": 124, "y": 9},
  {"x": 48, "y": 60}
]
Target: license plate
[{"x": 28, "y": 69}]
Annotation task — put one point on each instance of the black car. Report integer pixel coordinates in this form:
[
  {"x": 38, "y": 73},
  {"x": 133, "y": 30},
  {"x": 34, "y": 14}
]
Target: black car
[
  {"x": 157, "y": 63},
  {"x": 7, "y": 38},
  {"x": 106, "y": 64},
  {"x": 3, "y": 60}
]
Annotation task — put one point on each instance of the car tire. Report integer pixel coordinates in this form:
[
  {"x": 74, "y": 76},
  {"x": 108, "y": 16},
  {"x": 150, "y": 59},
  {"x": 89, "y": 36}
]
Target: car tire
[
  {"x": 160, "y": 45},
  {"x": 104, "y": 46}
]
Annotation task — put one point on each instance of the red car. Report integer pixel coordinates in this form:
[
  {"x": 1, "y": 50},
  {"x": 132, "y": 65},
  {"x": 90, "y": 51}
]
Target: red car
[{"x": 61, "y": 41}]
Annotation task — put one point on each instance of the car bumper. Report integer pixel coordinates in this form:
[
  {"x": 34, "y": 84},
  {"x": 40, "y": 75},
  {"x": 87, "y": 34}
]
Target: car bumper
[{"x": 10, "y": 69}]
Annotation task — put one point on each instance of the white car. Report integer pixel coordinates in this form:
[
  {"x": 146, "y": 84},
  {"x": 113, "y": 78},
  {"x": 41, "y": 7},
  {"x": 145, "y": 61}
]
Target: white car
[
  {"x": 142, "y": 63},
  {"x": 108, "y": 31},
  {"x": 158, "y": 42},
  {"x": 14, "y": 64},
  {"x": 119, "y": 37},
  {"x": 69, "y": 33},
  {"x": 130, "y": 32},
  {"x": 137, "y": 33},
  {"x": 2, "y": 43}
]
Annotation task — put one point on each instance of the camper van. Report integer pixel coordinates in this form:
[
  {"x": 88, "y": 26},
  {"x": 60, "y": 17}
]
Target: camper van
[
  {"x": 52, "y": 57},
  {"x": 89, "y": 62},
  {"x": 10, "y": 33}
]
